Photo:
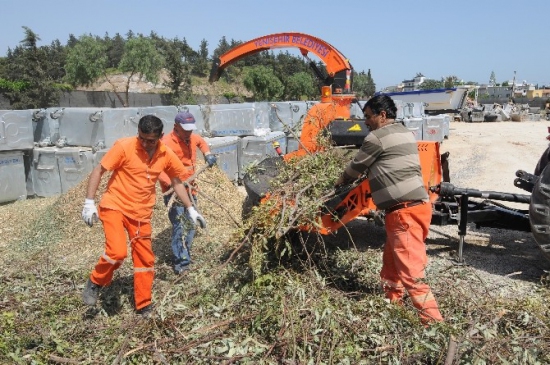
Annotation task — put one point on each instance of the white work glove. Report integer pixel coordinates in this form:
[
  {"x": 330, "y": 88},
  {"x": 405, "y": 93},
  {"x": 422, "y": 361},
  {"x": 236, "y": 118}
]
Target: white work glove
[
  {"x": 196, "y": 217},
  {"x": 89, "y": 213}
]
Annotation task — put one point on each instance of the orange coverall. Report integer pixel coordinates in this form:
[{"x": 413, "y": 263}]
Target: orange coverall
[
  {"x": 404, "y": 259},
  {"x": 187, "y": 153},
  {"x": 127, "y": 205}
]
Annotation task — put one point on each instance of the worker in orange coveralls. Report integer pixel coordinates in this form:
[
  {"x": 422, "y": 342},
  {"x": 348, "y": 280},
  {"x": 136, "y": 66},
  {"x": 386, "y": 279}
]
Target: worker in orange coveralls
[
  {"x": 184, "y": 143},
  {"x": 127, "y": 205},
  {"x": 389, "y": 155}
]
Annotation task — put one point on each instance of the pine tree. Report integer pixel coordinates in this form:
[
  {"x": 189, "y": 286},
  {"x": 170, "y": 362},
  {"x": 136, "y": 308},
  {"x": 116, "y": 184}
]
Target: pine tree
[{"x": 492, "y": 79}]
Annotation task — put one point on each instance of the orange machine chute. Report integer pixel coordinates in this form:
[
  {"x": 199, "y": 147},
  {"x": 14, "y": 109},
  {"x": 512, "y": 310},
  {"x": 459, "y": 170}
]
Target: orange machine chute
[{"x": 334, "y": 61}]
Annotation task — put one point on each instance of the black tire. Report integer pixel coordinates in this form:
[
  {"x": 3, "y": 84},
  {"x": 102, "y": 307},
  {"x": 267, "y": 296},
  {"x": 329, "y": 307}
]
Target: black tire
[
  {"x": 543, "y": 161},
  {"x": 539, "y": 211}
]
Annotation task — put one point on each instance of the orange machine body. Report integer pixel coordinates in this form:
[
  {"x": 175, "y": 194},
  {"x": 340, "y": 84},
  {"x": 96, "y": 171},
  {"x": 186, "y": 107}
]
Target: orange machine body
[
  {"x": 335, "y": 104},
  {"x": 358, "y": 201}
]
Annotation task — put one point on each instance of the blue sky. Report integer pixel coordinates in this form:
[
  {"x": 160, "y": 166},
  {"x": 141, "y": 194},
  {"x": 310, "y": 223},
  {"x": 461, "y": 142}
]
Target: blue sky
[{"x": 394, "y": 39}]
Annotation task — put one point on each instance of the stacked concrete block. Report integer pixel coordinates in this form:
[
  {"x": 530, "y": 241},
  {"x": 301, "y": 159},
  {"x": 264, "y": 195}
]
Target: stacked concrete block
[
  {"x": 98, "y": 155},
  {"x": 281, "y": 116},
  {"x": 257, "y": 148},
  {"x": 12, "y": 176},
  {"x": 75, "y": 127},
  {"x": 118, "y": 123},
  {"x": 400, "y": 105},
  {"x": 446, "y": 126},
  {"x": 415, "y": 125},
  {"x": 75, "y": 164},
  {"x": 16, "y": 130},
  {"x": 245, "y": 119},
  {"x": 432, "y": 128},
  {"x": 166, "y": 113},
  {"x": 227, "y": 150},
  {"x": 49, "y": 151},
  {"x": 292, "y": 144},
  {"x": 56, "y": 170}
]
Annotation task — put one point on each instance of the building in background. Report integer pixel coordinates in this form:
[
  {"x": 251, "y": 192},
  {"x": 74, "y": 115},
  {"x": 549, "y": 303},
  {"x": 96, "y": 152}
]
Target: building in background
[{"x": 414, "y": 83}]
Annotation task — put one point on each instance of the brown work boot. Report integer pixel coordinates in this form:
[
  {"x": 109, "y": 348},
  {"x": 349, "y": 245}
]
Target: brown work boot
[{"x": 90, "y": 293}]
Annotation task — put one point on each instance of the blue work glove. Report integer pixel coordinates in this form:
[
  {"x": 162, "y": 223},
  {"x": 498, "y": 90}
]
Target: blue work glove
[
  {"x": 196, "y": 217},
  {"x": 210, "y": 159}
]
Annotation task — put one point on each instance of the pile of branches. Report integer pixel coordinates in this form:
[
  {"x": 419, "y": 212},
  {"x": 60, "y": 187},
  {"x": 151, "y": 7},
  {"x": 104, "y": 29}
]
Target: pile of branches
[{"x": 294, "y": 203}]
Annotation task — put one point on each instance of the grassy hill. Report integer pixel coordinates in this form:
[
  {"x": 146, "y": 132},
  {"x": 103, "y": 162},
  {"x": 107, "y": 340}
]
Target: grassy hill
[{"x": 200, "y": 86}]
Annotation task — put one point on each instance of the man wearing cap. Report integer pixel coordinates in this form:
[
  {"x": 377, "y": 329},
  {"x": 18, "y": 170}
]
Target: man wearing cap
[{"x": 184, "y": 143}]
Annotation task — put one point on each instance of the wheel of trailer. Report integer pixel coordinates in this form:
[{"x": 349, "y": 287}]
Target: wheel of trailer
[{"x": 539, "y": 211}]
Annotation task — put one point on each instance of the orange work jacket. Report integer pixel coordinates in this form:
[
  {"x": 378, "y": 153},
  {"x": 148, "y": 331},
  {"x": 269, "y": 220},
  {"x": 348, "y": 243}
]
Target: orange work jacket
[{"x": 131, "y": 188}]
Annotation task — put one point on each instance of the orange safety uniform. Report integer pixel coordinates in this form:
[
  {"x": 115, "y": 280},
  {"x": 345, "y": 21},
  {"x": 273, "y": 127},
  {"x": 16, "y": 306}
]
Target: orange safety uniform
[
  {"x": 404, "y": 259},
  {"x": 127, "y": 204},
  {"x": 186, "y": 152}
]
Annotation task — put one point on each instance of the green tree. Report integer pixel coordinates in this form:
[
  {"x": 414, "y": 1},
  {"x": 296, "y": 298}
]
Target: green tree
[
  {"x": 450, "y": 82},
  {"x": 3, "y": 66},
  {"x": 300, "y": 86},
  {"x": 71, "y": 41},
  {"x": 505, "y": 83},
  {"x": 263, "y": 83},
  {"x": 200, "y": 65},
  {"x": 223, "y": 46},
  {"x": 360, "y": 82},
  {"x": 179, "y": 71},
  {"x": 56, "y": 56},
  {"x": 432, "y": 84},
  {"x": 141, "y": 58},
  {"x": 87, "y": 61},
  {"x": 370, "y": 88},
  {"x": 29, "y": 67},
  {"x": 492, "y": 78},
  {"x": 115, "y": 50}
]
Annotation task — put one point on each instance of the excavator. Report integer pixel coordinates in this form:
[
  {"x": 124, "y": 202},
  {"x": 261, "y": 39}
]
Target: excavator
[{"x": 451, "y": 205}]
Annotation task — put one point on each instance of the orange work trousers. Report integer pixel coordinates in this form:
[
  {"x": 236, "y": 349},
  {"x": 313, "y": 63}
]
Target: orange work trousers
[
  {"x": 404, "y": 259},
  {"x": 115, "y": 225}
]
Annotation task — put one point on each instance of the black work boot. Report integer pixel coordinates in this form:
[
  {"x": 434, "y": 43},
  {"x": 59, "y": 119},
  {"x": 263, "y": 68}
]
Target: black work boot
[
  {"x": 90, "y": 293},
  {"x": 146, "y": 312}
]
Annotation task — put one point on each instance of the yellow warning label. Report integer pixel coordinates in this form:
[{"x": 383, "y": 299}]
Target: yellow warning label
[{"x": 355, "y": 128}]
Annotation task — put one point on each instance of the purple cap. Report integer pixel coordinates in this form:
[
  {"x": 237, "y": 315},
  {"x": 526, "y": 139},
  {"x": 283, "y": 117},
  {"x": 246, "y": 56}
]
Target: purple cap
[{"x": 186, "y": 120}]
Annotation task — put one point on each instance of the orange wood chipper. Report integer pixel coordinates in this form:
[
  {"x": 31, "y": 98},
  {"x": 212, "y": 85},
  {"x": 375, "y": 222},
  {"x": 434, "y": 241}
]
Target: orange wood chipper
[{"x": 451, "y": 205}]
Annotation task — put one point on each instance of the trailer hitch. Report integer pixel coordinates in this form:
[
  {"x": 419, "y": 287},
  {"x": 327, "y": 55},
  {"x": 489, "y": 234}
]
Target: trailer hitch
[
  {"x": 525, "y": 180},
  {"x": 448, "y": 190},
  {"x": 485, "y": 213}
]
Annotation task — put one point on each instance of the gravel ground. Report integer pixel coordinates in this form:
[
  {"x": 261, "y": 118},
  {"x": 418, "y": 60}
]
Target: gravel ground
[{"x": 486, "y": 156}]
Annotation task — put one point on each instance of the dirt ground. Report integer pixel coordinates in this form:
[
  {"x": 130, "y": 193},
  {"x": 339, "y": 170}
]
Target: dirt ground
[{"x": 483, "y": 156}]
